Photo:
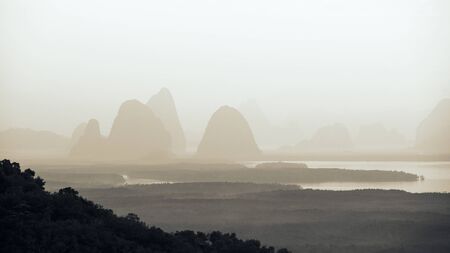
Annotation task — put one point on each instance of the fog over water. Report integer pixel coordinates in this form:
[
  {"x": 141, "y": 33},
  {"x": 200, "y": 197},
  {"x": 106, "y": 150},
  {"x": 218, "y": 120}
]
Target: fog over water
[{"x": 208, "y": 126}]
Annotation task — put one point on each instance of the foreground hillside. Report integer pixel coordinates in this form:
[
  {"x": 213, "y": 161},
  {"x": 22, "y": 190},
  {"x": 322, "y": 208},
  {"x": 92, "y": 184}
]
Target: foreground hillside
[
  {"x": 301, "y": 220},
  {"x": 34, "y": 220}
]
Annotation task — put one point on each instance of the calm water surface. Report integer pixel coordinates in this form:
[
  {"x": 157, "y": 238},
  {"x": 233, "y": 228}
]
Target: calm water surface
[{"x": 436, "y": 174}]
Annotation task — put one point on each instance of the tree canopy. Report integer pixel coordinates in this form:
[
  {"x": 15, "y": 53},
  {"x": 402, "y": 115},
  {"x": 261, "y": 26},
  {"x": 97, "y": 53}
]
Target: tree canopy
[{"x": 34, "y": 220}]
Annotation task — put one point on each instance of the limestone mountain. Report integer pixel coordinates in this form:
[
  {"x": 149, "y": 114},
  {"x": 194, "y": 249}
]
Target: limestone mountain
[
  {"x": 91, "y": 144},
  {"x": 163, "y": 106},
  {"x": 228, "y": 136},
  {"x": 376, "y": 136},
  {"x": 433, "y": 134},
  {"x": 137, "y": 133},
  {"x": 329, "y": 138},
  {"x": 29, "y": 142},
  {"x": 77, "y": 133},
  {"x": 268, "y": 135},
  {"x": 259, "y": 123}
]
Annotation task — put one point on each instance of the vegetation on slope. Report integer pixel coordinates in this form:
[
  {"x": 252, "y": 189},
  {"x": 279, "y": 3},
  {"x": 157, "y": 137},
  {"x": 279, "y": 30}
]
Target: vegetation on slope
[{"x": 34, "y": 220}]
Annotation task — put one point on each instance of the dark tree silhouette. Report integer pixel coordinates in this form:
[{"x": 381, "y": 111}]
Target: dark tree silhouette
[{"x": 34, "y": 220}]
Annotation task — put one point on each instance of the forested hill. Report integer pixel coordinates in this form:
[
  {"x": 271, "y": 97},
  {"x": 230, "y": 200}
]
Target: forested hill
[{"x": 34, "y": 220}]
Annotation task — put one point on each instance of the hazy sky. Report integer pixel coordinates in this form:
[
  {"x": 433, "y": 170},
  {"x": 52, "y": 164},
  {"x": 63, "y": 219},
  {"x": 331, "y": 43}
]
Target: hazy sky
[{"x": 312, "y": 62}]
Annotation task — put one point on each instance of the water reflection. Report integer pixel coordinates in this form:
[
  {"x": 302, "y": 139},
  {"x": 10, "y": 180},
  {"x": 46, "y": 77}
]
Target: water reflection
[{"x": 436, "y": 175}]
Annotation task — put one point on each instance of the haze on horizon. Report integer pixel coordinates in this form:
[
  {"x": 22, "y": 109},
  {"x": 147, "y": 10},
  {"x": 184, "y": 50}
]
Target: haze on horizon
[{"x": 305, "y": 63}]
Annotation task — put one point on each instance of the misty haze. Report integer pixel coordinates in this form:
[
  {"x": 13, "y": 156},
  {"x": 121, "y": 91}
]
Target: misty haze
[{"x": 225, "y": 126}]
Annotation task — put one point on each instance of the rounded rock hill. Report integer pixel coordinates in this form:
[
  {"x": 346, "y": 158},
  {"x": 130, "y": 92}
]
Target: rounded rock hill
[
  {"x": 137, "y": 133},
  {"x": 228, "y": 136}
]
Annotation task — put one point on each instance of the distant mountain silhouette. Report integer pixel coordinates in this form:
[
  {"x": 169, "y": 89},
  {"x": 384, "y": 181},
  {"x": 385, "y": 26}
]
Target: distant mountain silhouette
[
  {"x": 259, "y": 123},
  {"x": 376, "y": 136},
  {"x": 137, "y": 133},
  {"x": 266, "y": 134},
  {"x": 163, "y": 105},
  {"x": 28, "y": 140},
  {"x": 228, "y": 136},
  {"x": 91, "y": 144},
  {"x": 433, "y": 134},
  {"x": 77, "y": 133},
  {"x": 332, "y": 138}
]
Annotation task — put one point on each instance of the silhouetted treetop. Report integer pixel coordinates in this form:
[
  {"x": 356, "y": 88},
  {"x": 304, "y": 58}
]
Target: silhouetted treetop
[
  {"x": 12, "y": 179},
  {"x": 34, "y": 220}
]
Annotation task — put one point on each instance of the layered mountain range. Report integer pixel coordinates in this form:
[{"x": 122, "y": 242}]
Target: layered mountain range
[{"x": 153, "y": 131}]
